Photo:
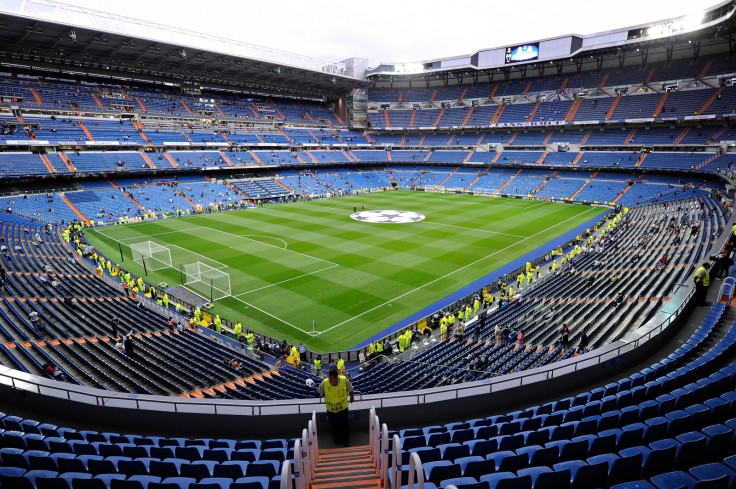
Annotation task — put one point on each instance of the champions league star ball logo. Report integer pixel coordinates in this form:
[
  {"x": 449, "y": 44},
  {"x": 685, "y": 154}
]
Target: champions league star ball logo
[{"x": 388, "y": 217}]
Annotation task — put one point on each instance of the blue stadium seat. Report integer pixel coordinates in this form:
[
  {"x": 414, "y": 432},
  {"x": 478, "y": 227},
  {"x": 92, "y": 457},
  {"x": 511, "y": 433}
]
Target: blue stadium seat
[
  {"x": 544, "y": 477},
  {"x": 212, "y": 483},
  {"x": 691, "y": 449},
  {"x": 440, "y": 470},
  {"x": 634, "y": 485},
  {"x": 264, "y": 468},
  {"x": 258, "y": 482},
  {"x": 585, "y": 475},
  {"x": 16, "y": 481},
  {"x": 712, "y": 472},
  {"x": 230, "y": 469},
  {"x": 719, "y": 441},
  {"x": 134, "y": 482},
  {"x": 12, "y": 471},
  {"x": 676, "y": 478},
  {"x": 463, "y": 482}
]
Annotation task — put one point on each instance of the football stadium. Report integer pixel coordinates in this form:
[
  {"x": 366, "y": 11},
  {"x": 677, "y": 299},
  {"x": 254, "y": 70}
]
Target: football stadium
[{"x": 234, "y": 267}]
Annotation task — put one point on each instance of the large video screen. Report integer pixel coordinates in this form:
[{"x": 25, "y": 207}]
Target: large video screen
[{"x": 525, "y": 52}]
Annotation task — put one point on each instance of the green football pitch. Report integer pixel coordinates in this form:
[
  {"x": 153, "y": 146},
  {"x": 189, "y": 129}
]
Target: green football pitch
[{"x": 292, "y": 264}]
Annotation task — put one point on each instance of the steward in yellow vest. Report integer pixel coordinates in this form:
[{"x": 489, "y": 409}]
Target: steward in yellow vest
[
  {"x": 336, "y": 388},
  {"x": 702, "y": 281}
]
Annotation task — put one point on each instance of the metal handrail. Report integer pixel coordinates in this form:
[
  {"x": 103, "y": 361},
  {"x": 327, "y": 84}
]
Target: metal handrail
[
  {"x": 285, "y": 482},
  {"x": 305, "y": 456},
  {"x": 372, "y": 439},
  {"x": 415, "y": 466},
  {"x": 383, "y": 468},
  {"x": 313, "y": 443},
  {"x": 299, "y": 456},
  {"x": 395, "y": 460},
  {"x": 309, "y": 461}
]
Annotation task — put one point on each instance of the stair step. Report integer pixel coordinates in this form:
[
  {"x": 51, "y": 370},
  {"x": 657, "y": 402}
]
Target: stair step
[
  {"x": 357, "y": 456},
  {"x": 339, "y": 474},
  {"x": 350, "y": 467},
  {"x": 357, "y": 448},
  {"x": 368, "y": 484},
  {"x": 342, "y": 456},
  {"x": 344, "y": 452},
  {"x": 344, "y": 481},
  {"x": 343, "y": 464},
  {"x": 340, "y": 465}
]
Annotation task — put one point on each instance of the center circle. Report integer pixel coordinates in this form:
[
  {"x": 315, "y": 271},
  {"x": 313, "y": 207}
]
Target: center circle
[{"x": 387, "y": 216}]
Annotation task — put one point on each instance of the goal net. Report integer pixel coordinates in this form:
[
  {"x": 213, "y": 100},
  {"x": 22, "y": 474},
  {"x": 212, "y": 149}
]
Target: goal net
[
  {"x": 208, "y": 281},
  {"x": 152, "y": 254}
]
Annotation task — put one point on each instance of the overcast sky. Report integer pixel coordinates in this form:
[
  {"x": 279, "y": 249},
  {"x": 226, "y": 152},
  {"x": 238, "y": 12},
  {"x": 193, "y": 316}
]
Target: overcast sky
[{"x": 395, "y": 30}]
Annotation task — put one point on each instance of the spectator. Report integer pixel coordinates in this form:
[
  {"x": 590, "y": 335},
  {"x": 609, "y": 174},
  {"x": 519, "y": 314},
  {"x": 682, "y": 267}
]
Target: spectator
[
  {"x": 37, "y": 322},
  {"x": 564, "y": 338},
  {"x": 129, "y": 345},
  {"x": 583, "y": 342},
  {"x": 235, "y": 363},
  {"x": 724, "y": 264},
  {"x": 114, "y": 323},
  {"x": 69, "y": 302},
  {"x": 459, "y": 330},
  {"x": 54, "y": 371}
]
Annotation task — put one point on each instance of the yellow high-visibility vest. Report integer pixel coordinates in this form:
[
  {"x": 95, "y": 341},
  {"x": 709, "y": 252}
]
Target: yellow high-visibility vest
[
  {"x": 336, "y": 397},
  {"x": 705, "y": 277}
]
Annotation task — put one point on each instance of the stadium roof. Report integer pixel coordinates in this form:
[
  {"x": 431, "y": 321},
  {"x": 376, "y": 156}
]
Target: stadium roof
[
  {"x": 70, "y": 41},
  {"x": 715, "y": 25}
]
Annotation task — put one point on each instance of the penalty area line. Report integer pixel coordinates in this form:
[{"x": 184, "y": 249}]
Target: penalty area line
[
  {"x": 283, "y": 321},
  {"x": 137, "y": 238},
  {"x": 219, "y": 267},
  {"x": 284, "y": 281}
]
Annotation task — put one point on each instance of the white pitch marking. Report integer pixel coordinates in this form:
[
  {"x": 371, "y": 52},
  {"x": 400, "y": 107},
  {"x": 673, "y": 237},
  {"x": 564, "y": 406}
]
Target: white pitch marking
[
  {"x": 448, "y": 274},
  {"x": 269, "y": 314},
  {"x": 476, "y": 229},
  {"x": 264, "y": 236},
  {"x": 287, "y": 280},
  {"x": 332, "y": 265},
  {"x": 123, "y": 241},
  {"x": 219, "y": 267},
  {"x": 266, "y": 244}
]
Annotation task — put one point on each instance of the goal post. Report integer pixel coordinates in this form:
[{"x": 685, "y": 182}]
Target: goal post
[
  {"x": 206, "y": 280},
  {"x": 151, "y": 255}
]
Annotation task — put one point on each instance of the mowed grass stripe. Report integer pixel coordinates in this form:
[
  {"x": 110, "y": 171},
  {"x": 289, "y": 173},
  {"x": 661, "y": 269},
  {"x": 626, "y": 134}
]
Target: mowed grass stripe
[
  {"x": 383, "y": 272},
  {"x": 251, "y": 264}
]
